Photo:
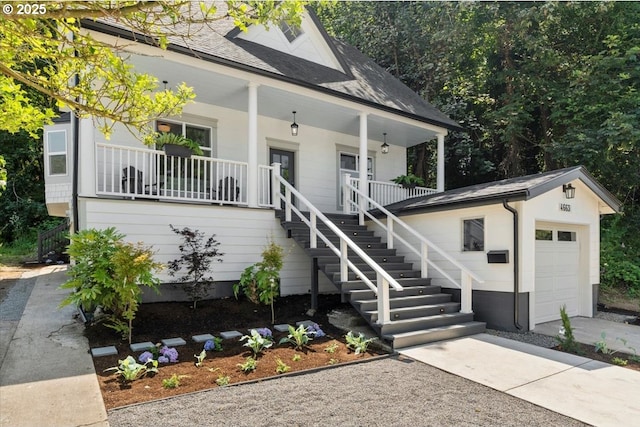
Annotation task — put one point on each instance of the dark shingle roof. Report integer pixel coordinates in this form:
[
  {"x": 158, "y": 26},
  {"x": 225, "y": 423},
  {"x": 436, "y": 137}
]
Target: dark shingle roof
[
  {"x": 513, "y": 189},
  {"x": 364, "y": 81}
]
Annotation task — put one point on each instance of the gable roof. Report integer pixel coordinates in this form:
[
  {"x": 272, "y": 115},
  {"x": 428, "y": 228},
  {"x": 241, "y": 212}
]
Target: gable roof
[
  {"x": 364, "y": 81},
  {"x": 513, "y": 189}
]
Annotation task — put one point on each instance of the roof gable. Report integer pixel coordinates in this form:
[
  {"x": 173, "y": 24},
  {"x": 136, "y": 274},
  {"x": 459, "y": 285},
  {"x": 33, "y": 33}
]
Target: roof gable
[{"x": 513, "y": 189}]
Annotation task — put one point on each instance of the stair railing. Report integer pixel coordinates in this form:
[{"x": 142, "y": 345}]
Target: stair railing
[
  {"x": 383, "y": 278},
  {"x": 392, "y": 222}
]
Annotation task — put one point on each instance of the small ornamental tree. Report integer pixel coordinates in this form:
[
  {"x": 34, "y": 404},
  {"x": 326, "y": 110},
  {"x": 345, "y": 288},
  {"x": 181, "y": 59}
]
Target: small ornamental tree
[
  {"x": 260, "y": 282},
  {"x": 196, "y": 256}
]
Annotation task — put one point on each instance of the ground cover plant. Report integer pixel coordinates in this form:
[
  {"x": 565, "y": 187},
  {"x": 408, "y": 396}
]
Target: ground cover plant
[{"x": 224, "y": 362}]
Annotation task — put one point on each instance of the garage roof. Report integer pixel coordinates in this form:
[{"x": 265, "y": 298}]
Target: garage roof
[{"x": 513, "y": 189}]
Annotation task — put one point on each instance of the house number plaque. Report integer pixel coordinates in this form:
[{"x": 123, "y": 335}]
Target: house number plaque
[{"x": 565, "y": 207}]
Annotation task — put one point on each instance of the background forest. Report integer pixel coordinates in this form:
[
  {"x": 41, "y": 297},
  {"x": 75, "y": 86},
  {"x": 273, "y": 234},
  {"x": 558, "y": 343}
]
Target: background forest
[{"x": 536, "y": 86}]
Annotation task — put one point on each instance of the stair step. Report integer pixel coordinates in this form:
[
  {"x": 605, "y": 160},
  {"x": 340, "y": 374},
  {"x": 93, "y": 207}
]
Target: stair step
[
  {"x": 377, "y": 251},
  {"x": 338, "y": 219},
  {"x": 408, "y": 301},
  {"x": 413, "y": 312},
  {"x": 397, "y": 266},
  {"x": 425, "y": 322},
  {"x": 362, "y": 245},
  {"x": 410, "y": 281},
  {"x": 365, "y": 294},
  {"x": 383, "y": 260},
  {"x": 409, "y": 339},
  {"x": 401, "y": 274},
  {"x": 301, "y": 226}
]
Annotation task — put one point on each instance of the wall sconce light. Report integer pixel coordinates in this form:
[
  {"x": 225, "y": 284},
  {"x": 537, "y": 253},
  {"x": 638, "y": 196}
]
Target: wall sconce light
[
  {"x": 294, "y": 126},
  {"x": 384, "y": 147},
  {"x": 569, "y": 191},
  {"x": 163, "y": 127}
]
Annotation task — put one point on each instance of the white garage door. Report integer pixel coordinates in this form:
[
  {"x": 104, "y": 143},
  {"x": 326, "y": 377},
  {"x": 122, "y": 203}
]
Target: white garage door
[{"x": 557, "y": 272}]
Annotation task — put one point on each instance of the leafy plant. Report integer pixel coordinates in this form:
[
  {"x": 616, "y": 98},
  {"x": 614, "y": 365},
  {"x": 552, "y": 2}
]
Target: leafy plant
[
  {"x": 619, "y": 361},
  {"x": 130, "y": 370},
  {"x": 196, "y": 256},
  {"x": 409, "y": 180},
  {"x": 260, "y": 282},
  {"x": 109, "y": 273},
  {"x": 601, "y": 346},
  {"x": 358, "y": 344},
  {"x": 168, "y": 354},
  {"x": 173, "y": 381},
  {"x": 257, "y": 342},
  {"x": 565, "y": 338},
  {"x": 296, "y": 357},
  {"x": 281, "y": 367},
  {"x": 297, "y": 337},
  {"x": 331, "y": 348},
  {"x": 200, "y": 357},
  {"x": 250, "y": 364},
  {"x": 333, "y": 361},
  {"x": 215, "y": 344},
  {"x": 172, "y": 138},
  {"x": 223, "y": 380}
]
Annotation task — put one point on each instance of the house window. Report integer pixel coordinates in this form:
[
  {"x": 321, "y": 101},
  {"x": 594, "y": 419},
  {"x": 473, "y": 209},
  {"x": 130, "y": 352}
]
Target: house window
[
  {"x": 473, "y": 234},
  {"x": 350, "y": 163},
  {"x": 291, "y": 32},
  {"x": 199, "y": 134},
  {"x": 57, "y": 152},
  {"x": 544, "y": 235}
]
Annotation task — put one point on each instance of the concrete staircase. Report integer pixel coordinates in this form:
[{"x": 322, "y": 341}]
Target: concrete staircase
[{"x": 421, "y": 313}]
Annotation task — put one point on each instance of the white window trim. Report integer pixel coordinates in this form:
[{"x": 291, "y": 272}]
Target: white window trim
[
  {"x": 484, "y": 234},
  {"x": 212, "y": 149},
  {"x": 58, "y": 153}
]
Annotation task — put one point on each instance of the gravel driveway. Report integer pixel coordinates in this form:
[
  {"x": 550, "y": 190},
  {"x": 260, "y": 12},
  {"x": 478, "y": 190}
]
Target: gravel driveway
[{"x": 386, "y": 392}]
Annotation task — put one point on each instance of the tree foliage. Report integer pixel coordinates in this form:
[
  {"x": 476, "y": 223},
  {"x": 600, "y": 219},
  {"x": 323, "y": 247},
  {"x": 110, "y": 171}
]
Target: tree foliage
[{"x": 52, "y": 54}]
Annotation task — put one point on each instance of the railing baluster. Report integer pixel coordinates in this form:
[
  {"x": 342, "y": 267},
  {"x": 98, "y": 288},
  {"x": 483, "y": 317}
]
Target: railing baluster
[
  {"x": 424, "y": 260},
  {"x": 384, "y": 315},
  {"x": 312, "y": 231}
]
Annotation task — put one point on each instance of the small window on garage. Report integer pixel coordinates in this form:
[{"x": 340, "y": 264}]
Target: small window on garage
[
  {"x": 566, "y": 236},
  {"x": 544, "y": 235},
  {"x": 473, "y": 234}
]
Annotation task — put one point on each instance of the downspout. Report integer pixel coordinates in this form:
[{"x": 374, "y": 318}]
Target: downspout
[
  {"x": 516, "y": 268},
  {"x": 76, "y": 158}
]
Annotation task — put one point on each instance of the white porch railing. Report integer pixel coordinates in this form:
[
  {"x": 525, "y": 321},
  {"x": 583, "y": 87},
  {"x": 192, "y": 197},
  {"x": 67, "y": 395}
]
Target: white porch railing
[
  {"x": 151, "y": 174},
  {"x": 383, "y": 279},
  {"x": 386, "y": 193},
  {"x": 393, "y": 223}
]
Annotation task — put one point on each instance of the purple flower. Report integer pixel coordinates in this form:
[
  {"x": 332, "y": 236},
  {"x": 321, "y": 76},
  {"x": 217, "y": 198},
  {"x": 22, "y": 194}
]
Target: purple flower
[
  {"x": 265, "y": 332},
  {"x": 314, "y": 329},
  {"x": 163, "y": 359},
  {"x": 145, "y": 357},
  {"x": 170, "y": 353},
  {"x": 209, "y": 345}
]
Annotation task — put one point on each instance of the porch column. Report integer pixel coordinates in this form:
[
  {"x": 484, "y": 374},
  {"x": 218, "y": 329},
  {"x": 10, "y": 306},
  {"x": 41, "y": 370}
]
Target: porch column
[
  {"x": 252, "y": 148},
  {"x": 363, "y": 185},
  {"x": 440, "y": 172}
]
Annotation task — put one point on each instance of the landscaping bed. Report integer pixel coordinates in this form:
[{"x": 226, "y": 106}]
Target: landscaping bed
[{"x": 158, "y": 321}]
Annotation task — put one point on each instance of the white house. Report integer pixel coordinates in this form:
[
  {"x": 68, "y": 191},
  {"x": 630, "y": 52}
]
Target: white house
[{"x": 297, "y": 104}]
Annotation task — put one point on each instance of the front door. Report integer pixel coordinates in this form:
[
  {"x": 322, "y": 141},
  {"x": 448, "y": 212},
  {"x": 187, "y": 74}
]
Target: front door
[{"x": 287, "y": 164}]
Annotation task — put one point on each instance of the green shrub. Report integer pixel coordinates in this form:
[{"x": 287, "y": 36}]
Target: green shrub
[{"x": 620, "y": 252}]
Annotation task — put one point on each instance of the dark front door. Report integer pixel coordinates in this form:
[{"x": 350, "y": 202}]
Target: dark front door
[{"x": 287, "y": 165}]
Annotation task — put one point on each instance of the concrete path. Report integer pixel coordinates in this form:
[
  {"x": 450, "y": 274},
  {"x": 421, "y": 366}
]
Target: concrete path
[
  {"x": 588, "y": 331},
  {"x": 47, "y": 376},
  {"x": 589, "y": 391}
]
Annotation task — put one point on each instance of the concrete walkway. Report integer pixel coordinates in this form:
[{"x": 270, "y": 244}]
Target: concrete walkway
[
  {"x": 589, "y": 391},
  {"x": 47, "y": 376},
  {"x": 588, "y": 331}
]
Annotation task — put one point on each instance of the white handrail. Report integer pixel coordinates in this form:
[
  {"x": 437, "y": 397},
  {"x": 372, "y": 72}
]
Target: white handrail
[
  {"x": 466, "y": 274},
  {"x": 383, "y": 278}
]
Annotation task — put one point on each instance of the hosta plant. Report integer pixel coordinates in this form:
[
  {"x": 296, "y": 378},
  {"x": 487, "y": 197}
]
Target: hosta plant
[
  {"x": 358, "y": 344},
  {"x": 299, "y": 337},
  {"x": 257, "y": 342},
  {"x": 250, "y": 364},
  {"x": 130, "y": 370}
]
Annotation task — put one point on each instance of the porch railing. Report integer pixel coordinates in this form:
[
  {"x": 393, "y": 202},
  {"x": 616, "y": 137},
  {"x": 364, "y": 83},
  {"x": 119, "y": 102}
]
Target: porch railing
[
  {"x": 151, "y": 174},
  {"x": 386, "y": 193},
  {"x": 383, "y": 279},
  {"x": 392, "y": 223}
]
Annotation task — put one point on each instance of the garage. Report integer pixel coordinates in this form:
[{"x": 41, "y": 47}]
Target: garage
[{"x": 557, "y": 271}]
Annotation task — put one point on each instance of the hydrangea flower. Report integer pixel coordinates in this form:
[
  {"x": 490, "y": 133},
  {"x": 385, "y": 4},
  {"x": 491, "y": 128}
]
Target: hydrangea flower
[
  {"x": 209, "y": 345},
  {"x": 163, "y": 359},
  {"x": 170, "y": 353},
  {"x": 145, "y": 357},
  {"x": 315, "y": 329},
  {"x": 265, "y": 333}
]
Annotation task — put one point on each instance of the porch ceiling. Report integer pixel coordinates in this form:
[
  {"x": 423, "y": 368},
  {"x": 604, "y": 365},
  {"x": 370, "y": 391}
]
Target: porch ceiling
[{"x": 231, "y": 92}]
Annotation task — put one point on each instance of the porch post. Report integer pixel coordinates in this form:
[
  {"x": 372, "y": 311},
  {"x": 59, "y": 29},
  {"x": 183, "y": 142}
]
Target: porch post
[
  {"x": 364, "y": 186},
  {"x": 440, "y": 172},
  {"x": 252, "y": 149}
]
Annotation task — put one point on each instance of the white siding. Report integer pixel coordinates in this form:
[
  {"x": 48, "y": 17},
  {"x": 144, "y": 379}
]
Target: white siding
[{"x": 242, "y": 234}]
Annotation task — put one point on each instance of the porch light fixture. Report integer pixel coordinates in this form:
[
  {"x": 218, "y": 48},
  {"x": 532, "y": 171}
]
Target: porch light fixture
[
  {"x": 294, "y": 126},
  {"x": 384, "y": 147},
  {"x": 569, "y": 191}
]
